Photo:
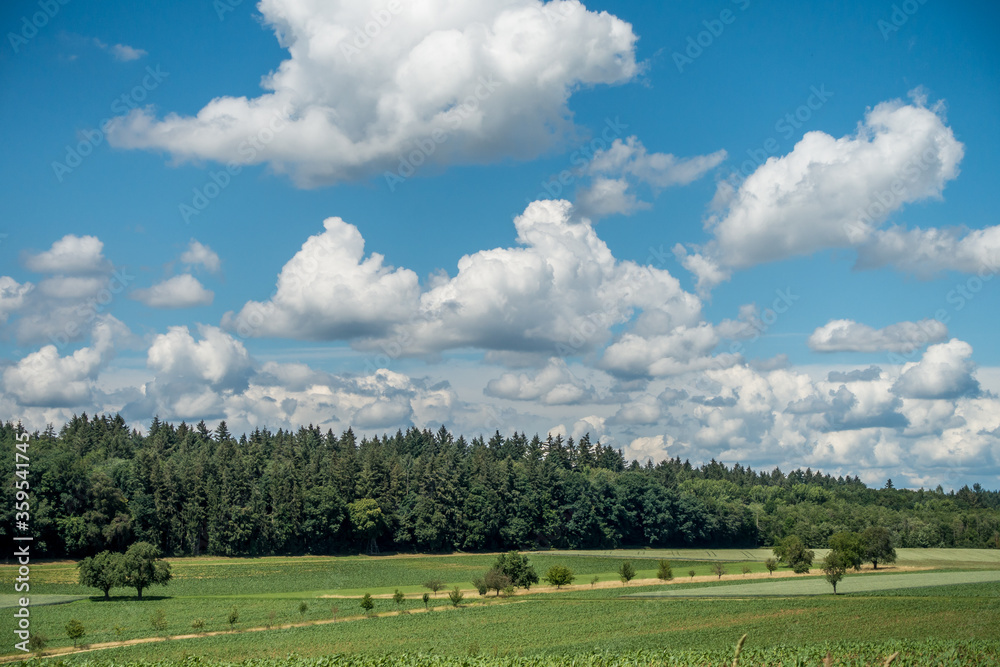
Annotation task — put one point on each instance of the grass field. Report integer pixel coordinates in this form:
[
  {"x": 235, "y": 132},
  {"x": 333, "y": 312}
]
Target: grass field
[
  {"x": 960, "y": 607},
  {"x": 865, "y": 583}
]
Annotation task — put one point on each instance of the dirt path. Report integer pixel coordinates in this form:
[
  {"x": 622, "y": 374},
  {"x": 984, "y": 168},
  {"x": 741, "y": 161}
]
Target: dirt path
[{"x": 474, "y": 594}]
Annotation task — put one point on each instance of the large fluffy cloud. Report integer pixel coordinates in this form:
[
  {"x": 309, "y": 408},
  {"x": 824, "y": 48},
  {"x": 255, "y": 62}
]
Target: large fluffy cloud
[
  {"x": 830, "y": 192},
  {"x": 559, "y": 294},
  {"x": 46, "y": 379},
  {"x": 478, "y": 79},
  {"x": 928, "y": 252}
]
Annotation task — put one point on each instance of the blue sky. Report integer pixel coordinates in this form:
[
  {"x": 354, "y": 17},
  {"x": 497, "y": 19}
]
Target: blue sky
[{"x": 636, "y": 300}]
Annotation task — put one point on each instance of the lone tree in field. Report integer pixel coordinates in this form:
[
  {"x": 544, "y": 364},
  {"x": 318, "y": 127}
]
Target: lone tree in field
[
  {"x": 427, "y": 601},
  {"x": 719, "y": 569},
  {"x": 877, "y": 544},
  {"x": 398, "y": 598},
  {"x": 691, "y": 573},
  {"x": 793, "y": 551},
  {"x": 848, "y": 545},
  {"x": 626, "y": 572},
  {"x": 559, "y": 576},
  {"x": 517, "y": 568},
  {"x": 303, "y": 608},
  {"x": 771, "y": 564},
  {"x": 75, "y": 630},
  {"x": 104, "y": 571},
  {"x": 665, "y": 572},
  {"x": 834, "y": 567},
  {"x": 367, "y": 603},
  {"x": 746, "y": 569},
  {"x": 455, "y": 595},
  {"x": 434, "y": 584},
  {"x": 234, "y": 616},
  {"x": 143, "y": 567},
  {"x": 496, "y": 580}
]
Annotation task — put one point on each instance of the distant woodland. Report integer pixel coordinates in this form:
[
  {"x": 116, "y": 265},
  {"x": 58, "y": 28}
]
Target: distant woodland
[{"x": 96, "y": 484}]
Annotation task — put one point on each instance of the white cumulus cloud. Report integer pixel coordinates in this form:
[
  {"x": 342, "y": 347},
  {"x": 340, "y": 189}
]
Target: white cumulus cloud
[
  {"x": 851, "y": 336},
  {"x": 183, "y": 291},
  {"x": 493, "y": 75}
]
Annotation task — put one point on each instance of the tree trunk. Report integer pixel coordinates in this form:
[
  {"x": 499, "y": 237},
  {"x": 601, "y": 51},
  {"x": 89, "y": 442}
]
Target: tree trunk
[{"x": 138, "y": 590}]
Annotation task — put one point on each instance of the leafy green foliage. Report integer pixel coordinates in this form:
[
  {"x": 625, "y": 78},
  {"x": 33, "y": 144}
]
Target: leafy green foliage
[
  {"x": 665, "y": 571},
  {"x": 434, "y": 584},
  {"x": 718, "y": 569},
  {"x": 398, "y": 597},
  {"x": 771, "y": 564},
  {"x": 834, "y": 567},
  {"x": 104, "y": 571},
  {"x": 234, "y": 616},
  {"x": 75, "y": 631},
  {"x": 455, "y": 595},
  {"x": 496, "y": 580},
  {"x": 559, "y": 576},
  {"x": 626, "y": 572},
  {"x": 517, "y": 569},
  {"x": 793, "y": 551},
  {"x": 143, "y": 567},
  {"x": 877, "y": 544},
  {"x": 849, "y": 546},
  {"x": 193, "y": 491},
  {"x": 158, "y": 620},
  {"x": 367, "y": 603}
]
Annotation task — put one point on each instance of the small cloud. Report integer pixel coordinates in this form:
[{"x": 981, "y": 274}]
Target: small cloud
[
  {"x": 123, "y": 53},
  {"x": 200, "y": 254},
  {"x": 183, "y": 291}
]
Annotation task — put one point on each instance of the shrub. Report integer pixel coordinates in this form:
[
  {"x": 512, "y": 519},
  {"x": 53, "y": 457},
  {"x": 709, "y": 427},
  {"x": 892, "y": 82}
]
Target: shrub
[
  {"x": 398, "y": 597},
  {"x": 234, "y": 616},
  {"x": 746, "y": 569},
  {"x": 37, "y": 642},
  {"x": 691, "y": 573},
  {"x": 427, "y": 601},
  {"x": 718, "y": 569},
  {"x": 198, "y": 624},
  {"x": 480, "y": 585},
  {"x": 559, "y": 576},
  {"x": 455, "y": 595},
  {"x": 594, "y": 580},
  {"x": 665, "y": 571},
  {"x": 75, "y": 630},
  {"x": 367, "y": 603},
  {"x": 158, "y": 620},
  {"x": 626, "y": 572}
]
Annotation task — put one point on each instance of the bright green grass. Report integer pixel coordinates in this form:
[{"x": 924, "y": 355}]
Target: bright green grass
[
  {"x": 585, "y": 621},
  {"x": 864, "y": 583},
  {"x": 913, "y": 557}
]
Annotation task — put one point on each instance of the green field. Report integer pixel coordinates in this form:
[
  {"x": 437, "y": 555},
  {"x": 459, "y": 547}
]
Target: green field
[
  {"x": 865, "y": 583},
  {"x": 941, "y": 606}
]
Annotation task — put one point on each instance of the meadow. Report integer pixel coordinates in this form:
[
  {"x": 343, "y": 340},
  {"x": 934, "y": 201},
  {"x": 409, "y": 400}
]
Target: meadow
[{"x": 951, "y": 606}]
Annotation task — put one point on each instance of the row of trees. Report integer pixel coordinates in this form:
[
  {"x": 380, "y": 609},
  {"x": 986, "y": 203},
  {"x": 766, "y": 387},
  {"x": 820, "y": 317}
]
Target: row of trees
[{"x": 97, "y": 485}]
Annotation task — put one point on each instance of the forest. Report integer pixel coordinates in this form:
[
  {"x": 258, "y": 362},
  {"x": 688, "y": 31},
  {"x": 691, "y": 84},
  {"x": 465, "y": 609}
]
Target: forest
[{"x": 98, "y": 485}]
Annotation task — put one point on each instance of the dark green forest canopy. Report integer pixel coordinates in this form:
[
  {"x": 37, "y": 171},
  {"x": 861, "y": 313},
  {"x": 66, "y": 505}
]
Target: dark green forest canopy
[{"x": 98, "y": 485}]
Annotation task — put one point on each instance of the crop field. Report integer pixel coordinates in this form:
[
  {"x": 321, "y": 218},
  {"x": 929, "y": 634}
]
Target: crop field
[
  {"x": 865, "y": 583},
  {"x": 795, "y": 614}
]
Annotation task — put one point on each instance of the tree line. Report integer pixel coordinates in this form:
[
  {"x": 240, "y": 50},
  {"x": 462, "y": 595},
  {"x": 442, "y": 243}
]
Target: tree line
[{"x": 97, "y": 485}]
